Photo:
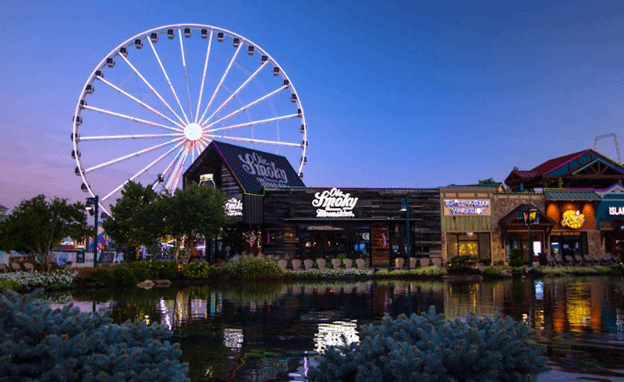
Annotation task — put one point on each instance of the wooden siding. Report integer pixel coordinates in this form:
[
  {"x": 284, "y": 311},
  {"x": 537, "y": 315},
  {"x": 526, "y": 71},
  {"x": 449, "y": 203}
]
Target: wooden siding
[{"x": 287, "y": 209}]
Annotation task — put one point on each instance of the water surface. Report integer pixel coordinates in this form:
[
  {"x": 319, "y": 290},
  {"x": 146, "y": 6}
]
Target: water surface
[{"x": 272, "y": 332}]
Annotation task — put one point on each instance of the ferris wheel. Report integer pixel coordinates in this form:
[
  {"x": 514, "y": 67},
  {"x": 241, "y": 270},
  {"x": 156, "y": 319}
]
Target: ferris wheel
[{"x": 157, "y": 100}]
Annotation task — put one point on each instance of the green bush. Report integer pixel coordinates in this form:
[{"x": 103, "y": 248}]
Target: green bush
[
  {"x": 515, "y": 258},
  {"x": 103, "y": 276},
  {"x": 197, "y": 271},
  {"x": 517, "y": 271},
  {"x": 124, "y": 276},
  {"x": 250, "y": 268},
  {"x": 41, "y": 344},
  {"x": 10, "y": 284},
  {"x": 428, "y": 348},
  {"x": 491, "y": 271},
  {"x": 464, "y": 261},
  {"x": 143, "y": 274}
]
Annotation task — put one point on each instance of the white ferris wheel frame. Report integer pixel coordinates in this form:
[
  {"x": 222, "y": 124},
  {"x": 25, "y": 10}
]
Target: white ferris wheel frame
[{"x": 179, "y": 125}]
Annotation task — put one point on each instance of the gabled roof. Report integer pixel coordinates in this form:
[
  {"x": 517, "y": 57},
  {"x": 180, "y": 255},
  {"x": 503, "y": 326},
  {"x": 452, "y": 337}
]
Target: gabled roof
[
  {"x": 253, "y": 169},
  {"x": 548, "y": 166},
  {"x": 589, "y": 165},
  {"x": 514, "y": 218},
  {"x": 569, "y": 194}
]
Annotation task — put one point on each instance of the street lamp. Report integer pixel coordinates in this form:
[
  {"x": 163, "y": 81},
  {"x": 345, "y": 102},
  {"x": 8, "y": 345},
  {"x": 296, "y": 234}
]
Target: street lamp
[
  {"x": 530, "y": 218},
  {"x": 405, "y": 207},
  {"x": 93, "y": 208}
]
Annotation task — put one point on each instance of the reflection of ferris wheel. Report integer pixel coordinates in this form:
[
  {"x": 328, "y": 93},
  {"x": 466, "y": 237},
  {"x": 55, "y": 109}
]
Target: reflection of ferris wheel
[{"x": 163, "y": 95}]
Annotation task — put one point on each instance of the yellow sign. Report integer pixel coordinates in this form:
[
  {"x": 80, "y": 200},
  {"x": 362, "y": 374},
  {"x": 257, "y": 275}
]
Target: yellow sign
[{"x": 573, "y": 219}]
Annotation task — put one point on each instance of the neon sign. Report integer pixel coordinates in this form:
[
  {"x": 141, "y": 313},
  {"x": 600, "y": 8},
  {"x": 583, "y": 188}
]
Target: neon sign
[
  {"x": 614, "y": 211},
  {"x": 467, "y": 207},
  {"x": 234, "y": 207},
  {"x": 572, "y": 219},
  {"x": 334, "y": 203}
]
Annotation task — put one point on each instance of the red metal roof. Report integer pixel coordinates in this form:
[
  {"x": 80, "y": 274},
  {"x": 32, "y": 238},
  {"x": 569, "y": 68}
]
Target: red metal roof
[{"x": 549, "y": 165}]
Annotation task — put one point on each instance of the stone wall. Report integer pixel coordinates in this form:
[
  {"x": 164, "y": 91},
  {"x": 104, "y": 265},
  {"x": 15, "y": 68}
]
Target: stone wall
[
  {"x": 594, "y": 244},
  {"x": 503, "y": 204}
]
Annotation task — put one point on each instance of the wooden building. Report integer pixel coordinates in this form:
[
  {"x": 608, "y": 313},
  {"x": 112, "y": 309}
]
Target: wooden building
[{"x": 277, "y": 215}]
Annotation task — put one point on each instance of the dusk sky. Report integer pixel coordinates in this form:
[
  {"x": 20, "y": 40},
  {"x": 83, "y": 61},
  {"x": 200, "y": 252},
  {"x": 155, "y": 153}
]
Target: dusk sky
[{"x": 402, "y": 94}]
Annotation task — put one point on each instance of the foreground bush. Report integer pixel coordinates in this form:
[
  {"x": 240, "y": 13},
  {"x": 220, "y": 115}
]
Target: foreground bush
[
  {"x": 585, "y": 270},
  {"x": 491, "y": 271},
  {"x": 53, "y": 279},
  {"x": 39, "y": 344},
  {"x": 328, "y": 273},
  {"x": 431, "y": 271},
  {"x": 249, "y": 268},
  {"x": 428, "y": 348},
  {"x": 197, "y": 271}
]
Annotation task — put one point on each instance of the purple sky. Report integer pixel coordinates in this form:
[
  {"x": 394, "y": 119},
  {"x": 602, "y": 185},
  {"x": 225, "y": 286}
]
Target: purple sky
[{"x": 396, "y": 95}]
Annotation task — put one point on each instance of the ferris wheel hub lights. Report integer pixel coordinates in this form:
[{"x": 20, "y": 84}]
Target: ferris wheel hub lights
[{"x": 193, "y": 132}]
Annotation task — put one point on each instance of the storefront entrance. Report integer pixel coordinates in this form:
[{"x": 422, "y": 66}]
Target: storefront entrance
[
  {"x": 568, "y": 243},
  {"x": 332, "y": 240}
]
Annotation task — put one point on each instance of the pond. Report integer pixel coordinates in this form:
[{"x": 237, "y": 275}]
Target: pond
[{"x": 272, "y": 332}]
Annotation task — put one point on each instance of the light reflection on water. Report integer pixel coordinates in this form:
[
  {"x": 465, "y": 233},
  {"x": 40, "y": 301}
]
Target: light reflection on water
[{"x": 269, "y": 332}]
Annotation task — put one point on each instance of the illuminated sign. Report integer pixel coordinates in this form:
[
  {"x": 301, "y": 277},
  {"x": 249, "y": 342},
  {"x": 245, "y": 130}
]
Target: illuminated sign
[
  {"x": 615, "y": 211},
  {"x": 234, "y": 207},
  {"x": 572, "y": 219},
  {"x": 467, "y": 207},
  {"x": 334, "y": 203},
  {"x": 267, "y": 173}
]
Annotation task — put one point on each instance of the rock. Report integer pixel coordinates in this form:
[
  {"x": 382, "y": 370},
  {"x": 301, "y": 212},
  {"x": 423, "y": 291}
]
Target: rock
[
  {"x": 506, "y": 274},
  {"x": 162, "y": 283},
  {"x": 147, "y": 284}
]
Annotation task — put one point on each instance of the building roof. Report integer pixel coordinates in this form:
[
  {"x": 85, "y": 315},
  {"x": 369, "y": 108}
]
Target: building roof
[
  {"x": 549, "y": 165},
  {"x": 586, "y": 168},
  {"x": 253, "y": 169},
  {"x": 569, "y": 194}
]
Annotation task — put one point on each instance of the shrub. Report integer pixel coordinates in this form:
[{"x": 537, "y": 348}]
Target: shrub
[
  {"x": 40, "y": 344},
  {"x": 491, "y": 271},
  {"x": 103, "y": 276},
  {"x": 464, "y": 261},
  {"x": 124, "y": 276},
  {"x": 52, "y": 279},
  {"x": 250, "y": 267},
  {"x": 329, "y": 273},
  {"x": 167, "y": 270},
  {"x": 515, "y": 258},
  {"x": 429, "y": 348},
  {"x": 197, "y": 271}
]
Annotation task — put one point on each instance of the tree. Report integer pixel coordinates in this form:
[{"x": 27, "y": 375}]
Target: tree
[
  {"x": 37, "y": 226},
  {"x": 127, "y": 227},
  {"x": 487, "y": 181},
  {"x": 192, "y": 212}
]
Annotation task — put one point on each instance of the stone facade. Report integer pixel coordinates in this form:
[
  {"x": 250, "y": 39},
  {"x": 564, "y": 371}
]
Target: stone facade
[
  {"x": 594, "y": 244},
  {"x": 504, "y": 203}
]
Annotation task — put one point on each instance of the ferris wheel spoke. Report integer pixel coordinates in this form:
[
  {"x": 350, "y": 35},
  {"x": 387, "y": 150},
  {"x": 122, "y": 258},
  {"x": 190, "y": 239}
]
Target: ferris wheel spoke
[
  {"x": 231, "y": 97},
  {"x": 135, "y": 136},
  {"x": 173, "y": 167},
  {"x": 148, "y": 107},
  {"x": 142, "y": 171},
  {"x": 188, "y": 93},
  {"x": 242, "y": 109},
  {"x": 175, "y": 174},
  {"x": 166, "y": 77},
  {"x": 225, "y": 74},
  {"x": 129, "y": 156},
  {"x": 251, "y": 140},
  {"x": 151, "y": 88},
  {"x": 180, "y": 170},
  {"x": 166, "y": 171},
  {"x": 252, "y": 123},
  {"x": 201, "y": 89}
]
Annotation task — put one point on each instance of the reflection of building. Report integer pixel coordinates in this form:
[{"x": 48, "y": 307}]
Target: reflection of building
[{"x": 331, "y": 334}]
